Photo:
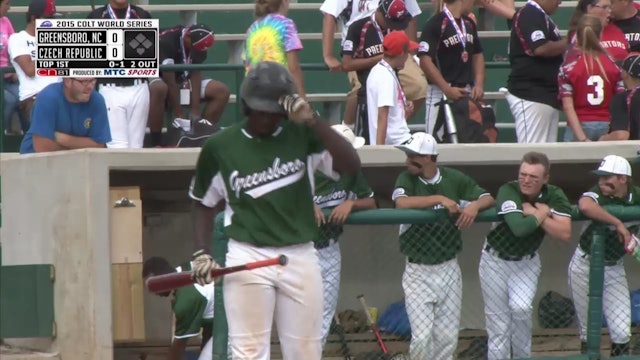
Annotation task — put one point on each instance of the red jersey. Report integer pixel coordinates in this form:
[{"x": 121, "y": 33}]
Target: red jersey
[
  {"x": 612, "y": 40},
  {"x": 591, "y": 88},
  {"x": 637, "y": 5}
]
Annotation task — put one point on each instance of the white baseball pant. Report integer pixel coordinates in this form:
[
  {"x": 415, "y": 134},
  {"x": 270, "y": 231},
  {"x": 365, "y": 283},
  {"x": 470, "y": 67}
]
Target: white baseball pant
[
  {"x": 291, "y": 294},
  {"x": 616, "y": 303},
  {"x": 207, "y": 350},
  {"x": 535, "y": 122},
  {"x": 330, "y": 262},
  {"x": 508, "y": 289},
  {"x": 128, "y": 111},
  {"x": 433, "y": 296}
]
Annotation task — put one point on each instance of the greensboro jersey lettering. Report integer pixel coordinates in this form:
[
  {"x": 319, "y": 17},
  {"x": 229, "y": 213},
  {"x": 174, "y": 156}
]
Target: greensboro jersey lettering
[
  {"x": 193, "y": 307},
  {"x": 613, "y": 248},
  {"x": 264, "y": 181},
  {"x": 331, "y": 193},
  {"x": 436, "y": 242},
  {"x": 591, "y": 88},
  {"x": 510, "y": 200}
]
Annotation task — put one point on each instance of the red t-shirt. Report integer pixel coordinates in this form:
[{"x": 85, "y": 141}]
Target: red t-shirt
[
  {"x": 637, "y": 5},
  {"x": 612, "y": 40},
  {"x": 591, "y": 88}
]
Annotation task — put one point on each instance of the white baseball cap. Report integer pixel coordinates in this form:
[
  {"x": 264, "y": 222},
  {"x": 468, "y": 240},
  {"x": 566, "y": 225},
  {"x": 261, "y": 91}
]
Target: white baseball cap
[
  {"x": 420, "y": 143},
  {"x": 613, "y": 165},
  {"x": 348, "y": 134}
]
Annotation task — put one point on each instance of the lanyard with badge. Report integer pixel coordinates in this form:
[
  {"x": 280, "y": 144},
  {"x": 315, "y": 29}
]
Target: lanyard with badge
[
  {"x": 112, "y": 13},
  {"x": 398, "y": 85},
  {"x": 462, "y": 33},
  {"x": 185, "y": 90}
]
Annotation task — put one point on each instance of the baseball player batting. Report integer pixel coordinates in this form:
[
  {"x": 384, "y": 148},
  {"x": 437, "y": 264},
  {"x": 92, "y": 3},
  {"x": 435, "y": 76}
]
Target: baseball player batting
[
  {"x": 262, "y": 168},
  {"x": 528, "y": 209},
  {"x": 343, "y": 199},
  {"x": 614, "y": 188}
]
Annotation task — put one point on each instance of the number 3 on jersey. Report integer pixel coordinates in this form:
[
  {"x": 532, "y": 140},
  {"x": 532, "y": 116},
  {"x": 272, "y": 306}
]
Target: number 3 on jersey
[{"x": 597, "y": 96}]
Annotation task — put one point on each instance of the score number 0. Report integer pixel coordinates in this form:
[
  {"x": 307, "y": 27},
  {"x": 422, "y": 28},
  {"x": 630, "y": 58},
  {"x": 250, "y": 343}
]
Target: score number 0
[{"x": 115, "y": 44}]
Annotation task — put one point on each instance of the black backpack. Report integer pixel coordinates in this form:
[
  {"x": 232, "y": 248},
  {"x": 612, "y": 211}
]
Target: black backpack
[{"x": 475, "y": 122}]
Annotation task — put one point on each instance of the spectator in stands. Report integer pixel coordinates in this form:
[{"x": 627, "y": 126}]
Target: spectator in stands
[
  {"x": 274, "y": 37},
  {"x": 451, "y": 56},
  {"x": 362, "y": 50},
  {"x": 432, "y": 282},
  {"x": 502, "y": 8},
  {"x": 529, "y": 209},
  {"x": 387, "y": 104},
  {"x": 626, "y": 16},
  {"x": 625, "y": 106},
  {"x": 10, "y": 80},
  {"x": 68, "y": 115},
  {"x": 614, "y": 188},
  {"x": 536, "y": 50},
  {"x": 612, "y": 38},
  {"x": 188, "y": 45},
  {"x": 22, "y": 51},
  {"x": 345, "y": 13},
  {"x": 588, "y": 79},
  {"x": 127, "y": 98}
]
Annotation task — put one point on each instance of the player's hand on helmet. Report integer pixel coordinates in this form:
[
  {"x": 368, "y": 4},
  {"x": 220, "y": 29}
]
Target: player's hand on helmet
[
  {"x": 623, "y": 233},
  {"x": 297, "y": 108},
  {"x": 455, "y": 93},
  {"x": 450, "y": 205},
  {"x": 467, "y": 215},
  {"x": 341, "y": 212},
  {"x": 318, "y": 214},
  {"x": 203, "y": 263}
]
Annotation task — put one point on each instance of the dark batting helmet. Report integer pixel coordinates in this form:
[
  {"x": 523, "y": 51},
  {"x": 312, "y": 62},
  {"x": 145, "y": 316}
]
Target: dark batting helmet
[{"x": 263, "y": 86}]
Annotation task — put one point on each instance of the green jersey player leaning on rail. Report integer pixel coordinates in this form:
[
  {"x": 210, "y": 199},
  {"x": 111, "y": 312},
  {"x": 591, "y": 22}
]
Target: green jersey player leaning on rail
[{"x": 262, "y": 168}]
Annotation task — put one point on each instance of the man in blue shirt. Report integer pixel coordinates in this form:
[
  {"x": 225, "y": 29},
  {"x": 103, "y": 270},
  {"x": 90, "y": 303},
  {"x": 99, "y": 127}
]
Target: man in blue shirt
[{"x": 67, "y": 115}]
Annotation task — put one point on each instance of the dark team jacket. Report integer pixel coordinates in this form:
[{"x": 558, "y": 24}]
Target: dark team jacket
[
  {"x": 170, "y": 48},
  {"x": 625, "y": 113},
  {"x": 136, "y": 13},
  {"x": 363, "y": 40},
  {"x": 631, "y": 29},
  {"x": 533, "y": 78},
  {"x": 439, "y": 40}
]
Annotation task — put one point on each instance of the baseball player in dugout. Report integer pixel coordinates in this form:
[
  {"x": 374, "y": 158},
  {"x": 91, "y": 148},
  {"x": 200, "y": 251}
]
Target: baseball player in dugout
[
  {"x": 347, "y": 13},
  {"x": 614, "y": 188},
  {"x": 192, "y": 308},
  {"x": 186, "y": 45},
  {"x": 262, "y": 169},
  {"x": 127, "y": 99},
  {"x": 432, "y": 282},
  {"x": 535, "y": 53},
  {"x": 362, "y": 50},
  {"x": 625, "y": 106},
  {"x": 529, "y": 209},
  {"x": 626, "y": 15},
  {"x": 342, "y": 197},
  {"x": 451, "y": 57}
]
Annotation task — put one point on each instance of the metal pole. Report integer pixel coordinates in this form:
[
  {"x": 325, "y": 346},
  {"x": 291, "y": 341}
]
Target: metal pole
[
  {"x": 596, "y": 284},
  {"x": 450, "y": 121}
]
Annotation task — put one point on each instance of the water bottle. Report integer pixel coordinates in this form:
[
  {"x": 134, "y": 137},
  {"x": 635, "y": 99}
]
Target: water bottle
[{"x": 634, "y": 247}]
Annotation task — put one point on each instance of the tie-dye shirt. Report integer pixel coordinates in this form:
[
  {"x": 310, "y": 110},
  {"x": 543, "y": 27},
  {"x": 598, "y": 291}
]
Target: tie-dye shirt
[{"x": 270, "y": 38}]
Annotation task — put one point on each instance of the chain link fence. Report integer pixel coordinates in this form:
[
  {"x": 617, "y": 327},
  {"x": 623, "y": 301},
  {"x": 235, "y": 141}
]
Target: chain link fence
[{"x": 407, "y": 284}]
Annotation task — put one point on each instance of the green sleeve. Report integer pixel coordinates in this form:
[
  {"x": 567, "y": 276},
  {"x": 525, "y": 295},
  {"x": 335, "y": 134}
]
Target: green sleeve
[
  {"x": 519, "y": 225},
  {"x": 508, "y": 200},
  {"x": 361, "y": 188},
  {"x": 559, "y": 203},
  {"x": 470, "y": 189},
  {"x": 403, "y": 187},
  {"x": 206, "y": 170},
  {"x": 188, "y": 307}
]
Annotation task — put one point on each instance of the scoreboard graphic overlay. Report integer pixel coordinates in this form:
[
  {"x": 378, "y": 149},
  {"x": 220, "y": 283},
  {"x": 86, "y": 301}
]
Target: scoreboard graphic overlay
[{"x": 97, "y": 48}]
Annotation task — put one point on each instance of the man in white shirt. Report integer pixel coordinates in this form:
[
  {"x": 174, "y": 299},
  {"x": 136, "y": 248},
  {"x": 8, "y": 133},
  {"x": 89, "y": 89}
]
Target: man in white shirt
[
  {"x": 344, "y": 13},
  {"x": 387, "y": 104},
  {"x": 22, "y": 52}
]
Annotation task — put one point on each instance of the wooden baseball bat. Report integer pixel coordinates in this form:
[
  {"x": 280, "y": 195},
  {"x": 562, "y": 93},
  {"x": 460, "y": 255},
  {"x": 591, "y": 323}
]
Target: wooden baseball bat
[
  {"x": 373, "y": 325},
  {"x": 168, "y": 282}
]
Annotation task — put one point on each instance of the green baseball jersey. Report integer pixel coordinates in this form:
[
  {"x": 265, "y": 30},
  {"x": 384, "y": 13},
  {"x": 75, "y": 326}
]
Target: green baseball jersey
[
  {"x": 331, "y": 193},
  {"x": 193, "y": 307},
  {"x": 264, "y": 181},
  {"x": 614, "y": 249},
  {"x": 434, "y": 243},
  {"x": 510, "y": 200}
]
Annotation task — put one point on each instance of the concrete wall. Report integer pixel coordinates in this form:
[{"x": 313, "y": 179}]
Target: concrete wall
[{"x": 56, "y": 211}]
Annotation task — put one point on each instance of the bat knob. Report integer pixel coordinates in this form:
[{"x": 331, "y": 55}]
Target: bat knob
[{"x": 283, "y": 260}]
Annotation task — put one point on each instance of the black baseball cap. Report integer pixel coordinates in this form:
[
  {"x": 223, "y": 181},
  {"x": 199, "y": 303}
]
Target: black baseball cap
[
  {"x": 42, "y": 9},
  {"x": 395, "y": 14},
  {"x": 631, "y": 65},
  {"x": 201, "y": 40}
]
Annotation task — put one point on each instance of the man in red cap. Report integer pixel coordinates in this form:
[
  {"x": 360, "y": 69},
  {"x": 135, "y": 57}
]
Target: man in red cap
[
  {"x": 387, "y": 105},
  {"x": 22, "y": 52}
]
